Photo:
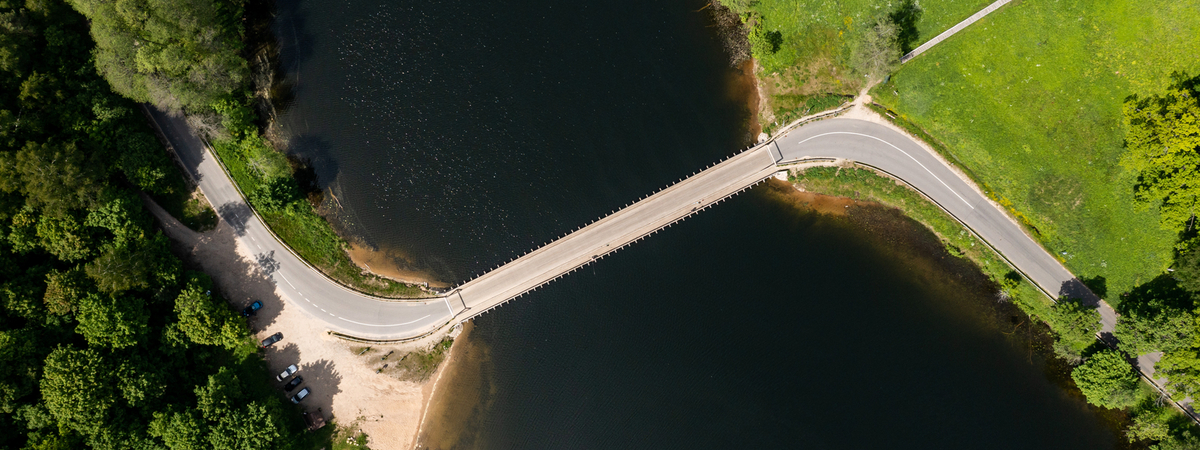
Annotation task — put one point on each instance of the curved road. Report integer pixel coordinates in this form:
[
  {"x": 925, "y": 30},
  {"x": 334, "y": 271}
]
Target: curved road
[
  {"x": 888, "y": 150},
  {"x": 359, "y": 315}
]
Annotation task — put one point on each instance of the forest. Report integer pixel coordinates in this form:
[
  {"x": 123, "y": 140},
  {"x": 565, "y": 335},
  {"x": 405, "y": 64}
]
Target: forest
[{"x": 106, "y": 341}]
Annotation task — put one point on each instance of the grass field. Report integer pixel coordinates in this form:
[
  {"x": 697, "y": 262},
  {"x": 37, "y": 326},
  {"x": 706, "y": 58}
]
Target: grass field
[
  {"x": 1029, "y": 101},
  {"x": 816, "y": 40}
]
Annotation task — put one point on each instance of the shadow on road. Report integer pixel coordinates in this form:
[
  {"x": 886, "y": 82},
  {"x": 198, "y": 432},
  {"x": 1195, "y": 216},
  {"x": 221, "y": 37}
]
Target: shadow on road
[
  {"x": 236, "y": 215},
  {"x": 266, "y": 262},
  {"x": 239, "y": 280},
  {"x": 1075, "y": 288}
]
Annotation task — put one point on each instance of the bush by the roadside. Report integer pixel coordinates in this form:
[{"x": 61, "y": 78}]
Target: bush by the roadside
[
  {"x": 1075, "y": 326},
  {"x": 1107, "y": 380}
]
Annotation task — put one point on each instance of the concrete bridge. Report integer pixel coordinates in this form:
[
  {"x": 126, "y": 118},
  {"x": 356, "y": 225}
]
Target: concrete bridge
[{"x": 360, "y": 316}]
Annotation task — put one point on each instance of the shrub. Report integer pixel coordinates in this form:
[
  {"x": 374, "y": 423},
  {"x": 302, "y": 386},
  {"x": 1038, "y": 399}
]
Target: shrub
[{"x": 1107, "y": 380}]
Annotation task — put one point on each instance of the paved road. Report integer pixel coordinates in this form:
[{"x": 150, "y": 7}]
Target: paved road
[
  {"x": 362, "y": 316},
  {"x": 358, "y": 315},
  {"x": 343, "y": 310},
  {"x": 892, "y": 152}
]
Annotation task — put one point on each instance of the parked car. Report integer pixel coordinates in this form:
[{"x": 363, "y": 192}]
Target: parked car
[
  {"x": 300, "y": 395},
  {"x": 286, "y": 372},
  {"x": 292, "y": 384},
  {"x": 271, "y": 340},
  {"x": 253, "y": 308}
]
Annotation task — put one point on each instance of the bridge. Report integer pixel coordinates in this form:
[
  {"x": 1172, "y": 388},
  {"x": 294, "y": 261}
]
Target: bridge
[{"x": 353, "y": 314}]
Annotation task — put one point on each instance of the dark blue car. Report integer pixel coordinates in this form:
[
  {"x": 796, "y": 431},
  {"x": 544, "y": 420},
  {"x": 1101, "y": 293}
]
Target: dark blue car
[{"x": 253, "y": 308}]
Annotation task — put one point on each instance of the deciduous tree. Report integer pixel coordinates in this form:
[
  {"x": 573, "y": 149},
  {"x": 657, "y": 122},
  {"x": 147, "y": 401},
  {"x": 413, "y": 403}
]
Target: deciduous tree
[
  {"x": 878, "y": 52},
  {"x": 1075, "y": 326},
  {"x": 1156, "y": 316},
  {"x": 1107, "y": 380},
  {"x": 1163, "y": 143},
  {"x": 78, "y": 389},
  {"x": 173, "y": 53},
  {"x": 206, "y": 320},
  {"x": 112, "y": 321}
]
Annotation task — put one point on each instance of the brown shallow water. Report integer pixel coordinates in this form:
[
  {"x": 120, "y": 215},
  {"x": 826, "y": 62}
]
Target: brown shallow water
[{"x": 392, "y": 264}]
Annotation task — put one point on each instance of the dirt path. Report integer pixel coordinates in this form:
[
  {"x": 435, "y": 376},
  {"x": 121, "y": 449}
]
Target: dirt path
[{"x": 344, "y": 385}]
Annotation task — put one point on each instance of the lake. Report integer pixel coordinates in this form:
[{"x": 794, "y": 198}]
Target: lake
[{"x": 453, "y": 136}]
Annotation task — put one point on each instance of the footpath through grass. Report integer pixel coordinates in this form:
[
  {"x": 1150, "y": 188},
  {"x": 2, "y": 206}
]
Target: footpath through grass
[
  {"x": 1029, "y": 101},
  {"x": 803, "y": 46}
]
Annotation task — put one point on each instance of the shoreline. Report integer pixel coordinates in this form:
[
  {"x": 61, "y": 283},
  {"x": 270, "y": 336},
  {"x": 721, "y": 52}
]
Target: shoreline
[
  {"x": 383, "y": 263},
  {"x": 429, "y": 390}
]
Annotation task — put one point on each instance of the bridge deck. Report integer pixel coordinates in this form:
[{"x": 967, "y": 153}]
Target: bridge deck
[{"x": 614, "y": 231}]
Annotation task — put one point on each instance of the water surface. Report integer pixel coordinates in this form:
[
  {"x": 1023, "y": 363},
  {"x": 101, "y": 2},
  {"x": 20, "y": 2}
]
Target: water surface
[{"x": 457, "y": 135}]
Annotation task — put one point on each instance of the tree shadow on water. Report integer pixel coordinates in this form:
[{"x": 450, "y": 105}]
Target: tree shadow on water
[{"x": 905, "y": 17}]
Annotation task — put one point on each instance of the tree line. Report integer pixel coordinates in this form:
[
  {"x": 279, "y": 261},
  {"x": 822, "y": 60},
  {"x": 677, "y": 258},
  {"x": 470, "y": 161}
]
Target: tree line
[
  {"x": 1162, "y": 315},
  {"x": 105, "y": 340}
]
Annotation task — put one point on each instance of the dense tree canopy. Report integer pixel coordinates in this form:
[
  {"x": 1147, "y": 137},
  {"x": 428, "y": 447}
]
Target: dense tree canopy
[
  {"x": 1163, "y": 144},
  {"x": 173, "y": 53},
  {"x": 1156, "y": 316},
  {"x": 104, "y": 341},
  {"x": 878, "y": 53}
]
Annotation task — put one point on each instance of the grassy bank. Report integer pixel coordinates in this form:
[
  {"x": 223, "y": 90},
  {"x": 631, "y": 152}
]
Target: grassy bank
[
  {"x": 1148, "y": 417},
  {"x": 265, "y": 177},
  {"x": 864, "y": 184},
  {"x": 1029, "y": 100},
  {"x": 416, "y": 366},
  {"x": 335, "y": 437},
  {"x": 802, "y": 47}
]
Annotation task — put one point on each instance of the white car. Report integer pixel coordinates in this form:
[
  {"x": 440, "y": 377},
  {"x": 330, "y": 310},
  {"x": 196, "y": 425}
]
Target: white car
[
  {"x": 287, "y": 372},
  {"x": 300, "y": 395}
]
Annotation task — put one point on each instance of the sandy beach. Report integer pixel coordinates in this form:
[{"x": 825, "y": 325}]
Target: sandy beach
[{"x": 345, "y": 385}]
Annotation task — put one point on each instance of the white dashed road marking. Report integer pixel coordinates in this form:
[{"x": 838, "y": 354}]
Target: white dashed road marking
[{"x": 388, "y": 325}]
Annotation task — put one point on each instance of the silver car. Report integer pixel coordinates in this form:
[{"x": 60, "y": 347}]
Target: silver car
[{"x": 286, "y": 372}]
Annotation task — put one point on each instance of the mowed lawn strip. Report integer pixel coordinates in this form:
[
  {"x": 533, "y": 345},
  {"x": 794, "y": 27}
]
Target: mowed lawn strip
[{"x": 1029, "y": 100}]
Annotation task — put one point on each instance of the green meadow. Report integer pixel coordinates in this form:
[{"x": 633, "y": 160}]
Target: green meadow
[
  {"x": 1029, "y": 101},
  {"x": 814, "y": 39}
]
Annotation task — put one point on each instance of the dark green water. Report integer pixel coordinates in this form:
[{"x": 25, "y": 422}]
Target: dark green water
[{"x": 462, "y": 134}]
